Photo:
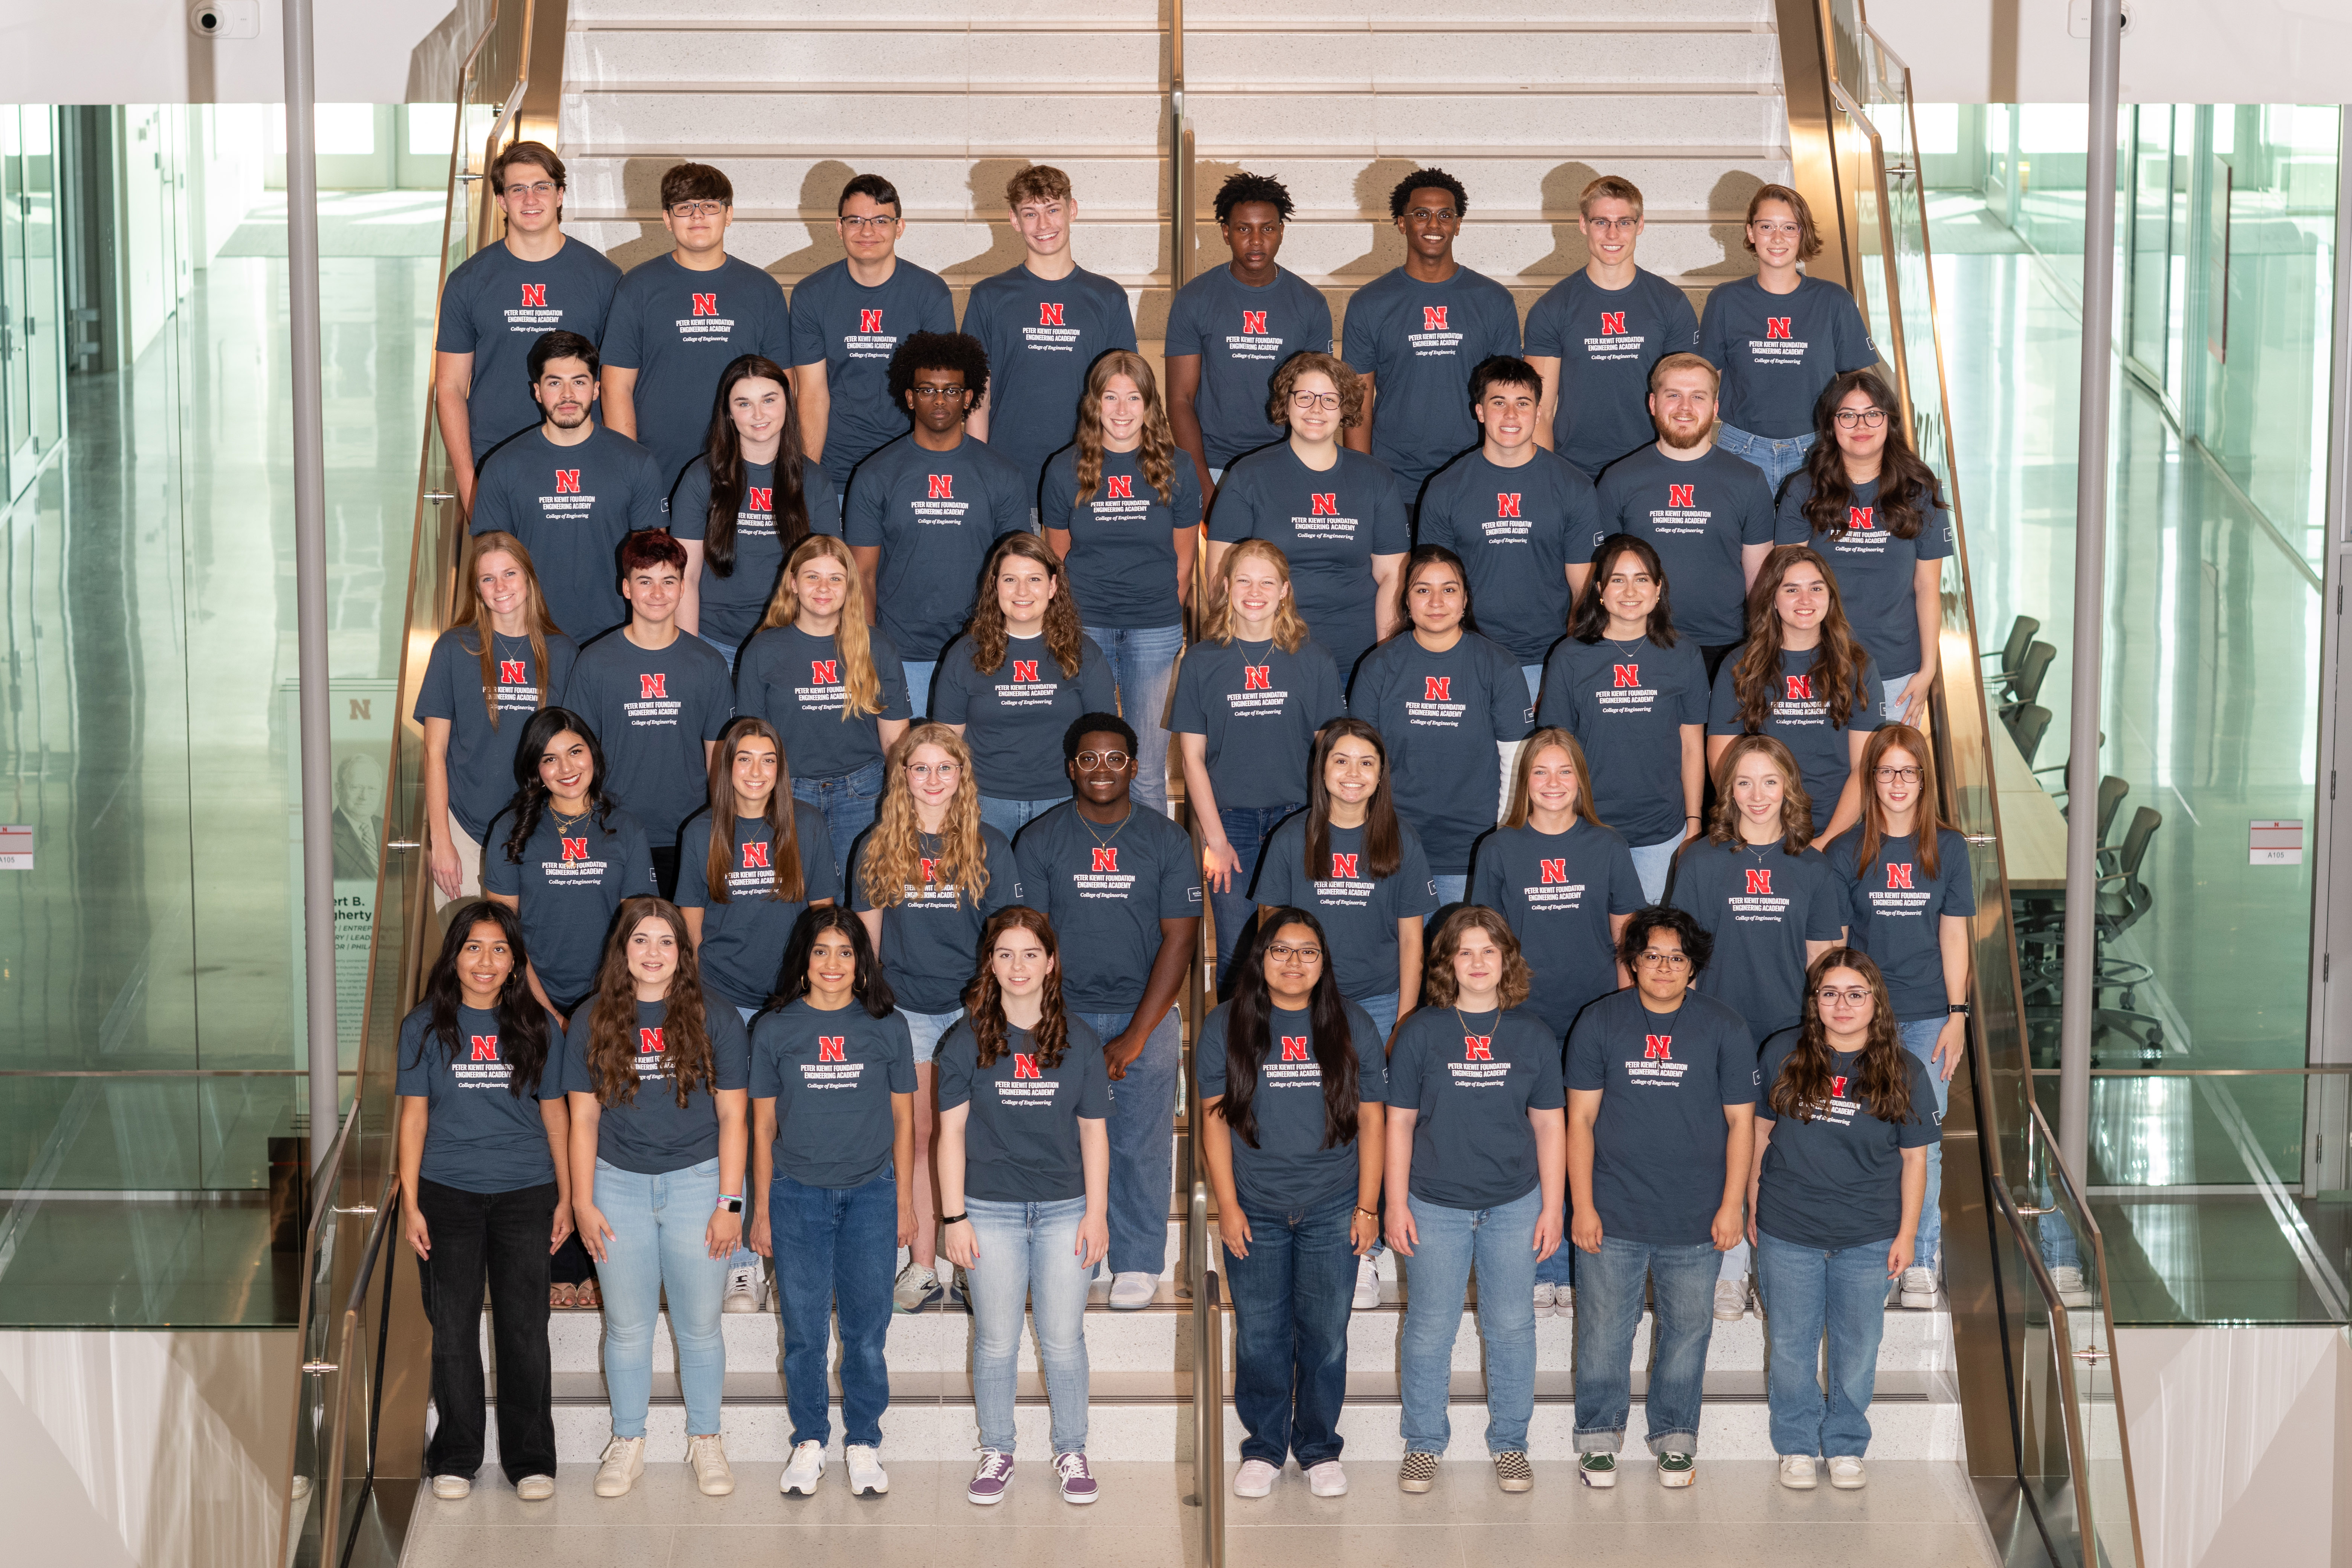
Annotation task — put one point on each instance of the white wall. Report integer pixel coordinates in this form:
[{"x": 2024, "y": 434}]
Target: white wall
[
  {"x": 2177, "y": 51},
  {"x": 141, "y": 52}
]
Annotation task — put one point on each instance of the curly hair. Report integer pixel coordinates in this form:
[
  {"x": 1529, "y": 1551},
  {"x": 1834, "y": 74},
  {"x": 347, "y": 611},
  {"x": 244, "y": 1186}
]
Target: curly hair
[
  {"x": 472, "y": 609},
  {"x": 722, "y": 460},
  {"x": 861, "y": 685},
  {"x": 788, "y": 883},
  {"x": 1809, "y": 245},
  {"x": 1698, "y": 942},
  {"x": 614, "y": 1045},
  {"x": 1037, "y": 183},
  {"x": 1883, "y": 1076},
  {"x": 1344, "y": 381},
  {"x": 1909, "y": 490},
  {"x": 1224, "y": 621},
  {"x": 1428, "y": 180},
  {"x": 1588, "y": 622},
  {"x": 1439, "y": 988},
  {"x": 1796, "y": 805},
  {"x": 939, "y": 351},
  {"x": 892, "y": 863},
  {"x": 1523, "y": 774},
  {"x": 1244, "y": 186},
  {"x": 1926, "y": 814},
  {"x": 983, "y": 999},
  {"x": 1063, "y": 639},
  {"x": 1159, "y": 449},
  {"x": 1837, "y": 660}
]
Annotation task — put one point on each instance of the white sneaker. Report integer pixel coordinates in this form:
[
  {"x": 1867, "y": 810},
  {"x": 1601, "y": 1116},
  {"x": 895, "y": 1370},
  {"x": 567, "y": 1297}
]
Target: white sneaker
[
  {"x": 1368, "y": 1285},
  {"x": 867, "y": 1476},
  {"x": 1563, "y": 1300},
  {"x": 1919, "y": 1287},
  {"x": 535, "y": 1488},
  {"x": 1327, "y": 1480},
  {"x": 915, "y": 1288},
  {"x": 708, "y": 1455},
  {"x": 742, "y": 1289},
  {"x": 1133, "y": 1290},
  {"x": 623, "y": 1462},
  {"x": 1797, "y": 1472},
  {"x": 1846, "y": 1473},
  {"x": 450, "y": 1489},
  {"x": 2072, "y": 1289},
  {"x": 1543, "y": 1300},
  {"x": 1730, "y": 1300},
  {"x": 802, "y": 1470},
  {"x": 1254, "y": 1479}
]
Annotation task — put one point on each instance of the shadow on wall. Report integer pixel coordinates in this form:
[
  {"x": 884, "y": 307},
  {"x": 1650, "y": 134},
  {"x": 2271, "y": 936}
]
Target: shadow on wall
[{"x": 1731, "y": 193}]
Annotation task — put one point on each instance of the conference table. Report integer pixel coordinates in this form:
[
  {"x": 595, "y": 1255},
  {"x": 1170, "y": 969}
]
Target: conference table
[{"x": 2033, "y": 829}]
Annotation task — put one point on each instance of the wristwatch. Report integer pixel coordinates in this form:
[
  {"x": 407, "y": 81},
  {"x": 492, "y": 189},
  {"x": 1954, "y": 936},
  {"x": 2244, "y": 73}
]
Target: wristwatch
[
  {"x": 730, "y": 1203},
  {"x": 1957, "y": 1010}
]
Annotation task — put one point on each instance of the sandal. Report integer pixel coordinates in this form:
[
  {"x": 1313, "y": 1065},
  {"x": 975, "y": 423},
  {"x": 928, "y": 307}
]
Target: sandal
[
  {"x": 590, "y": 1296},
  {"x": 562, "y": 1294}
]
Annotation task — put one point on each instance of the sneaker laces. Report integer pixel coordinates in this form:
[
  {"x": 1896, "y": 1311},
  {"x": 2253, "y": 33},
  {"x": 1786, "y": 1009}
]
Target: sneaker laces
[
  {"x": 996, "y": 1464},
  {"x": 1072, "y": 1464}
]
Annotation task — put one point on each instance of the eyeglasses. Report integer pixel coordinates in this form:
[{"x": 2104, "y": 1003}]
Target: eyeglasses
[
  {"x": 1830, "y": 996},
  {"x": 1868, "y": 418},
  {"x": 1329, "y": 400},
  {"x": 932, "y": 770},
  {"x": 699, "y": 209},
  {"x": 1433, "y": 214},
  {"x": 1089, "y": 761},
  {"x": 1282, "y": 952},
  {"x": 881, "y": 223},
  {"x": 1899, "y": 776},
  {"x": 1653, "y": 959},
  {"x": 536, "y": 188},
  {"x": 1613, "y": 225},
  {"x": 934, "y": 394}
]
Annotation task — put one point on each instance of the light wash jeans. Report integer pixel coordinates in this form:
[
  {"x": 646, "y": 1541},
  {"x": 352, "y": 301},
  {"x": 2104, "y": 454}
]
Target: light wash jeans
[
  {"x": 848, "y": 802},
  {"x": 1142, "y": 1132},
  {"x": 1534, "y": 672},
  {"x": 1778, "y": 456},
  {"x": 1807, "y": 1289},
  {"x": 1499, "y": 1242},
  {"x": 918, "y": 685},
  {"x": 1892, "y": 688},
  {"x": 1028, "y": 1252},
  {"x": 657, "y": 1250},
  {"x": 1919, "y": 1038},
  {"x": 1383, "y": 1011},
  {"x": 1652, "y": 862},
  {"x": 1010, "y": 816},
  {"x": 1143, "y": 662},
  {"x": 1450, "y": 890},
  {"x": 725, "y": 650},
  {"x": 1607, "y": 1310}
]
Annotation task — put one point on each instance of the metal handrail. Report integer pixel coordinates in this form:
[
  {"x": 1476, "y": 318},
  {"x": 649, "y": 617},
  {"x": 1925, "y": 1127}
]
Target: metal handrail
[
  {"x": 1208, "y": 1381},
  {"x": 332, "y": 1502}
]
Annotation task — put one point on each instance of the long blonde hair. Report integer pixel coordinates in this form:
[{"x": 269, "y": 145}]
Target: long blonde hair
[
  {"x": 471, "y": 606},
  {"x": 1064, "y": 639},
  {"x": 1289, "y": 631},
  {"x": 1159, "y": 448},
  {"x": 892, "y": 865},
  {"x": 1523, "y": 772},
  {"x": 861, "y": 688}
]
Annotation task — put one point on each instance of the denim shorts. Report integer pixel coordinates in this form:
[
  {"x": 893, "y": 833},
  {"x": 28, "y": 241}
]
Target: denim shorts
[{"x": 927, "y": 1029}]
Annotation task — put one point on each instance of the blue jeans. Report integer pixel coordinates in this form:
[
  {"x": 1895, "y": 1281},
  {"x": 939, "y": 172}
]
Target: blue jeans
[
  {"x": 1010, "y": 816},
  {"x": 1143, "y": 662},
  {"x": 1383, "y": 1010},
  {"x": 1028, "y": 1252},
  {"x": 1807, "y": 1289},
  {"x": 848, "y": 802},
  {"x": 1143, "y": 1132},
  {"x": 1247, "y": 827},
  {"x": 1450, "y": 890},
  {"x": 725, "y": 650},
  {"x": 1607, "y": 1310},
  {"x": 836, "y": 1248},
  {"x": 1534, "y": 672},
  {"x": 657, "y": 1250},
  {"x": 1500, "y": 1241},
  {"x": 1652, "y": 862},
  {"x": 1778, "y": 456},
  {"x": 1891, "y": 689},
  {"x": 1919, "y": 1038},
  {"x": 918, "y": 685},
  {"x": 1291, "y": 1300},
  {"x": 928, "y": 1030}
]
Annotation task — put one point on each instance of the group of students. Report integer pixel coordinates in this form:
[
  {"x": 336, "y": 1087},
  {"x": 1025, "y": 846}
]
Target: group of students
[{"x": 796, "y": 759}]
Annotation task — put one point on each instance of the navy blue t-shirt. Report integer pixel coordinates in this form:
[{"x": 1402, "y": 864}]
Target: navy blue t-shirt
[
  {"x": 930, "y": 939},
  {"x": 1122, "y": 559},
  {"x": 1556, "y": 892},
  {"x": 571, "y": 879},
  {"x": 933, "y": 515},
  {"x": 1517, "y": 531},
  {"x": 1420, "y": 342},
  {"x": 1106, "y": 889},
  {"x": 1289, "y": 1169},
  {"x": 1472, "y": 1078},
  {"x": 571, "y": 506},
  {"x": 654, "y": 709},
  {"x": 1329, "y": 526},
  {"x": 1658, "y": 1144},
  {"x": 1443, "y": 714},
  {"x": 1895, "y": 913},
  {"x": 1041, "y": 338},
  {"x": 481, "y": 759},
  {"x": 1761, "y": 904},
  {"x": 853, "y": 331},
  {"x": 1021, "y": 1141},
  {"x": 794, "y": 681},
  {"x": 1876, "y": 570},
  {"x": 1697, "y": 515},
  {"x": 1258, "y": 709},
  {"x": 832, "y": 1075},
  {"x": 1358, "y": 912},
  {"x": 1606, "y": 340},
  {"x": 1016, "y": 713},
  {"x": 678, "y": 330},
  {"x": 1242, "y": 334},
  {"x": 732, "y": 604},
  {"x": 1777, "y": 351},
  {"x": 1798, "y": 718},
  {"x": 496, "y": 307},
  {"x": 479, "y": 1137},
  {"x": 1837, "y": 1180},
  {"x": 744, "y": 938},
  {"x": 652, "y": 1134},
  {"x": 1626, "y": 704}
]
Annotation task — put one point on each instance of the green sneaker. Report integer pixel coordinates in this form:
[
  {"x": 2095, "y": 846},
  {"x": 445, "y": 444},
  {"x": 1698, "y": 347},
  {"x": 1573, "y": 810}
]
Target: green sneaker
[
  {"x": 1597, "y": 1469},
  {"x": 1677, "y": 1469}
]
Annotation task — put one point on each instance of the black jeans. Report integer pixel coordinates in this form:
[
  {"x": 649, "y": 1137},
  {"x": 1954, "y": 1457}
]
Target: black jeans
[
  {"x": 500, "y": 1236},
  {"x": 665, "y": 867}
]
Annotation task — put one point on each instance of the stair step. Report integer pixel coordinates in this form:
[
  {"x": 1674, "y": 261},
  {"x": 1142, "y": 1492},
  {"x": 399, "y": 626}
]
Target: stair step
[
  {"x": 925, "y": 13},
  {"x": 1076, "y": 59},
  {"x": 607, "y": 179},
  {"x": 1108, "y": 124},
  {"x": 1514, "y": 184},
  {"x": 1425, "y": 125}
]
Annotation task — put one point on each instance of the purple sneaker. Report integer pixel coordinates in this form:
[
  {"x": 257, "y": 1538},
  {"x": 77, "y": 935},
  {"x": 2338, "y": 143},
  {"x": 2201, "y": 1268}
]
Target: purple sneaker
[
  {"x": 1077, "y": 1481},
  {"x": 994, "y": 1477}
]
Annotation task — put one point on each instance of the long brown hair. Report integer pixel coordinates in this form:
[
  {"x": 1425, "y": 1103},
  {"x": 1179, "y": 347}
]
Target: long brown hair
[
  {"x": 612, "y": 1057},
  {"x": 989, "y": 638},
  {"x": 1159, "y": 449},
  {"x": 1523, "y": 770},
  {"x": 471, "y": 607},
  {"x": 1927, "y": 816},
  {"x": 1588, "y": 622},
  {"x": 1837, "y": 661},
  {"x": 791, "y": 881},
  {"x": 1383, "y": 840},
  {"x": 722, "y": 454},
  {"x": 983, "y": 999},
  {"x": 861, "y": 688},
  {"x": 1909, "y": 490},
  {"x": 1883, "y": 1074},
  {"x": 1438, "y": 985},
  {"x": 1290, "y": 633},
  {"x": 892, "y": 865},
  {"x": 1796, "y": 805}
]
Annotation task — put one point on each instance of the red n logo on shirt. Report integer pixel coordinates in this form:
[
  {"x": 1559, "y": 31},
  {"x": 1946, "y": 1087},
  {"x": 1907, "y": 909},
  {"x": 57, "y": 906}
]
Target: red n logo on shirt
[
  {"x": 1253, "y": 321},
  {"x": 1776, "y": 326},
  {"x": 825, "y": 672},
  {"x": 869, "y": 320},
  {"x": 576, "y": 849},
  {"x": 1624, "y": 675},
  {"x": 513, "y": 671},
  {"x": 755, "y": 857},
  {"x": 759, "y": 498},
  {"x": 1477, "y": 1048},
  {"x": 1119, "y": 487},
  {"x": 1048, "y": 316},
  {"x": 1682, "y": 495},
  {"x": 1759, "y": 883},
  {"x": 1658, "y": 1048},
  {"x": 1858, "y": 518},
  {"x": 1613, "y": 323},
  {"x": 1898, "y": 874},
  {"x": 1552, "y": 871},
  {"x": 567, "y": 481},
  {"x": 1837, "y": 1084},
  {"x": 942, "y": 487},
  {"x": 705, "y": 304},
  {"x": 652, "y": 686},
  {"x": 1436, "y": 688},
  {"x": 1342, "y": 866},
  {"x": 1025, "y": 1066},
  {"x": 1433, "y": 318},
  {"x": 930, "y": 870},
  {"x": 486, "y": 1047},
  {"x": 1506, "y": 505},
  {"x": 1257, "y": 677},
  {"x": 1025, "y": 669},
  {"x": 1323, "y": 505},
  {"x": 1107, "y": 859},
  {"x": 1801, "y": 689},
  {"x": 649, "y": 1042},
  {"x": 1294, "y": 1049},
  {"x": 534, "y": 296},
  {"x": 833, "y": 1047}
]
